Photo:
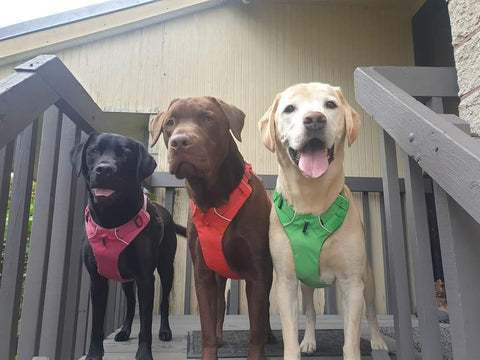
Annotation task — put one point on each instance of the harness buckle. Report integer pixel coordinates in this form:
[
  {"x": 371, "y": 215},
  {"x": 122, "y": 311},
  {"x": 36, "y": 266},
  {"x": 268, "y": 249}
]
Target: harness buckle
[{"x": 138, "y": 221}]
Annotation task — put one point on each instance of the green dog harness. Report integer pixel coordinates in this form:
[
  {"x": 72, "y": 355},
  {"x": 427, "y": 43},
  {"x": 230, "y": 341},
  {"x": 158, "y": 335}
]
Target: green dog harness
[{"x": 308, "y": 232}]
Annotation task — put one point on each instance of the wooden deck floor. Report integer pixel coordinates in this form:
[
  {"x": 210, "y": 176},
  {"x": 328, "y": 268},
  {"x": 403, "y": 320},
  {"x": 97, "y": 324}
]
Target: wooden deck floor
[{"x": 181, "y": 324}]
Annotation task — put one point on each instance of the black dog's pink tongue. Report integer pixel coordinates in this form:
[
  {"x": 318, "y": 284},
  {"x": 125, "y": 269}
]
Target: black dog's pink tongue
[
  {"x": 313, "y": 160},
  {"x": 103, "y": 192}
]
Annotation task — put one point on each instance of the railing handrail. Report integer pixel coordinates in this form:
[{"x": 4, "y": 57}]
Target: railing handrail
[
  {"x": 45, "y": 81},
  {"x": 447, "y": 154},
  {"x": 160, "y": 179}
]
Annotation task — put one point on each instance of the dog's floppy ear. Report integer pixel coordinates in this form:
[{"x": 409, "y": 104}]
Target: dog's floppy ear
[
  {"x": 235, "y": 116},
  {"x": 156, "y": 123},
  {"x": 77, "y": 155},
  {"x": 352, "y": 119},
  {"x": 146, "y": 164},
  {"x": 266, "y": 124}
]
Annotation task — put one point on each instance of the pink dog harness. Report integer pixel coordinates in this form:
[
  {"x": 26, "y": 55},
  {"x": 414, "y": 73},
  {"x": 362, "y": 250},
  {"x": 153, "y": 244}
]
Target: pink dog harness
[{"x": 107, "y": 244}]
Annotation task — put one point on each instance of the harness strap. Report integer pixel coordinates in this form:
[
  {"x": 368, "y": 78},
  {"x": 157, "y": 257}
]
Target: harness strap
[
  {"x": 108, "y": 244},
  {"x": 307, "y": 234},
  {"x": 212, "y": 223}
]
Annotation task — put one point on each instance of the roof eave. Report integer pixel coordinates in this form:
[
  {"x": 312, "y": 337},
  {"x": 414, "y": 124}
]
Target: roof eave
[{"x": 85, "y": 30}]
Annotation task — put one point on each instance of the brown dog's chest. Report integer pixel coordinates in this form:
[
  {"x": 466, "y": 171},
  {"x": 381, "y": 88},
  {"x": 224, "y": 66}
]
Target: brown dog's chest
[{"x": 211, "y": 225}]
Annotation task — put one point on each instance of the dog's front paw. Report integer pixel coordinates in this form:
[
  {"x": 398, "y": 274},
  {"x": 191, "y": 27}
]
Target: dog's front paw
[
  {"x": 308, "y": 345},
  {"x": 165, "y": 334},
  {"x": 123, "y": 335},
  {"x": 377, "y": 342}
]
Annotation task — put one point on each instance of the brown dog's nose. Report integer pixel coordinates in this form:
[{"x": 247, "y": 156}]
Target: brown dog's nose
[
  {"x": 180, "y": 141},
  {"x": 314, "y": 121}
]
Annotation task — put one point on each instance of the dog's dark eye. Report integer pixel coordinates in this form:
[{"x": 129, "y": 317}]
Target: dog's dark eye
[
  {"x": 94, "y": 151},
  {"x": 331, "y": 105},
  {"x": 170, "y": 122},
  {"x": 289, "y": 109},
  {"x": 123, "y": 154},
  {"x": 207, "y": 118}
]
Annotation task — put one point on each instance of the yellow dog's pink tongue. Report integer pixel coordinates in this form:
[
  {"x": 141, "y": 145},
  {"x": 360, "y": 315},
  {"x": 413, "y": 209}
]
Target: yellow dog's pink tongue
[
  {"x": 313, "y": 162},
  {"x": 103, "y": 192}
]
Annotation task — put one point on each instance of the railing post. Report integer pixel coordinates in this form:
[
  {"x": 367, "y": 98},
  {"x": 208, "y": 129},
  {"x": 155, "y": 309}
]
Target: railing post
[
  {"x": 14, "y": 259},
  {"x": 58, "y": 265},
  {"x": 386, "y": 267},
  {"x": 73, "y": 283},
  {"x": 40, "y": 240},
  {"x": 6, "y": 158},
  {"x": 417, "y": 225},
  {"x": 396, "y": 248},
  {"x": 460, "y": 245}
]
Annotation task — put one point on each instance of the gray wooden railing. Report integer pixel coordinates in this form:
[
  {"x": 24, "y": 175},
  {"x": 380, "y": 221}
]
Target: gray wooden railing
[
  {"x": 44, "y": 112},
  {"x": 407, "y": 104},
  {"x": 362, "y": 185}
]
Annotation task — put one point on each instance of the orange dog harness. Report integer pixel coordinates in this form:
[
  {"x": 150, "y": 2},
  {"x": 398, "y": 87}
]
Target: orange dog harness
[{"x": 212, "y": 224}]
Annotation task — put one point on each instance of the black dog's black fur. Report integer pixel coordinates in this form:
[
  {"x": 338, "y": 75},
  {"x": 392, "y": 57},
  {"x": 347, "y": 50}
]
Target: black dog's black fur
[{"x": 111, "y": 161}]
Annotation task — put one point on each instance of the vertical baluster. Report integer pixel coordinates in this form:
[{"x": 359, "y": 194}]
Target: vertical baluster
[
  {"x": 233, "y": 304},
  {"x": 386, "y": 268},
  {"x": 6, "y": 159},
  {"x": 460, "y": 254},
  {"x": 32, "y": 309},
  {"x": 417, "y": 225},
  {"x": 13, "y": 262},
  {"x": 397, "y": 258},
  {"x": 73, "y": 283},
  {"x": 58, "y": 265}
]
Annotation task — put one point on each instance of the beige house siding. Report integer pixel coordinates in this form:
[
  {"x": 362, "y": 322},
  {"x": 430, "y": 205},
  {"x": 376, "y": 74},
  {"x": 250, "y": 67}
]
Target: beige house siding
[
  {"x": 465, "y": 21},
  {"x": 245, "y": 54}
]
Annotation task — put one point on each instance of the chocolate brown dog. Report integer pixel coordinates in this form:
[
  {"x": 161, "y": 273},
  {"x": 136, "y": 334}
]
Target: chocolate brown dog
[{"x": 202, "y": 151}]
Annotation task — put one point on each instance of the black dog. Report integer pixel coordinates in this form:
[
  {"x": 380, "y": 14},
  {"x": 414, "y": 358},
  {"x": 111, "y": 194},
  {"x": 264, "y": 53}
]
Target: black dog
[{"x": 114, "y": 167}]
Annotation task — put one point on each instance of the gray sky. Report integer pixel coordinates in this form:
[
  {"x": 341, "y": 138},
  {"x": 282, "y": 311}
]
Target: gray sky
[{"x": 16, "y": 11}]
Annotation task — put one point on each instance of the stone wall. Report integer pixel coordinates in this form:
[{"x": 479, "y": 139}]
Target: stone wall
[{"x": 465, "y": 21}]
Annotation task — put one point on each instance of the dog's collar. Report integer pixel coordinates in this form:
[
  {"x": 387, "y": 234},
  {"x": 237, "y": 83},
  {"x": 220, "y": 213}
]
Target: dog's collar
[
  {"x": 107, "y": 244},
  {"x": 308, "y": 232}
]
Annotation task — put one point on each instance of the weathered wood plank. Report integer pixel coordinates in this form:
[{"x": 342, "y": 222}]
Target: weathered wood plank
[
  {"x": 449, "y": 156},
  {"x": 16, "y": 113},
  {"x": 417, "y": 226},
  {"x": 73, "y": 283},
  {"x": 14, "y": 258},
  {"x": 396, "y": 248},
  {"x": 356, "y": 184},
  {"x": 460, "y": 253},
  {"x": 6, "y": 159},
  {"x": 75, "y": 102},
  {"x": 58, "y": 265},
  {"x": 41, "y": 230},
  {"x": 422, "y": 81}
]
